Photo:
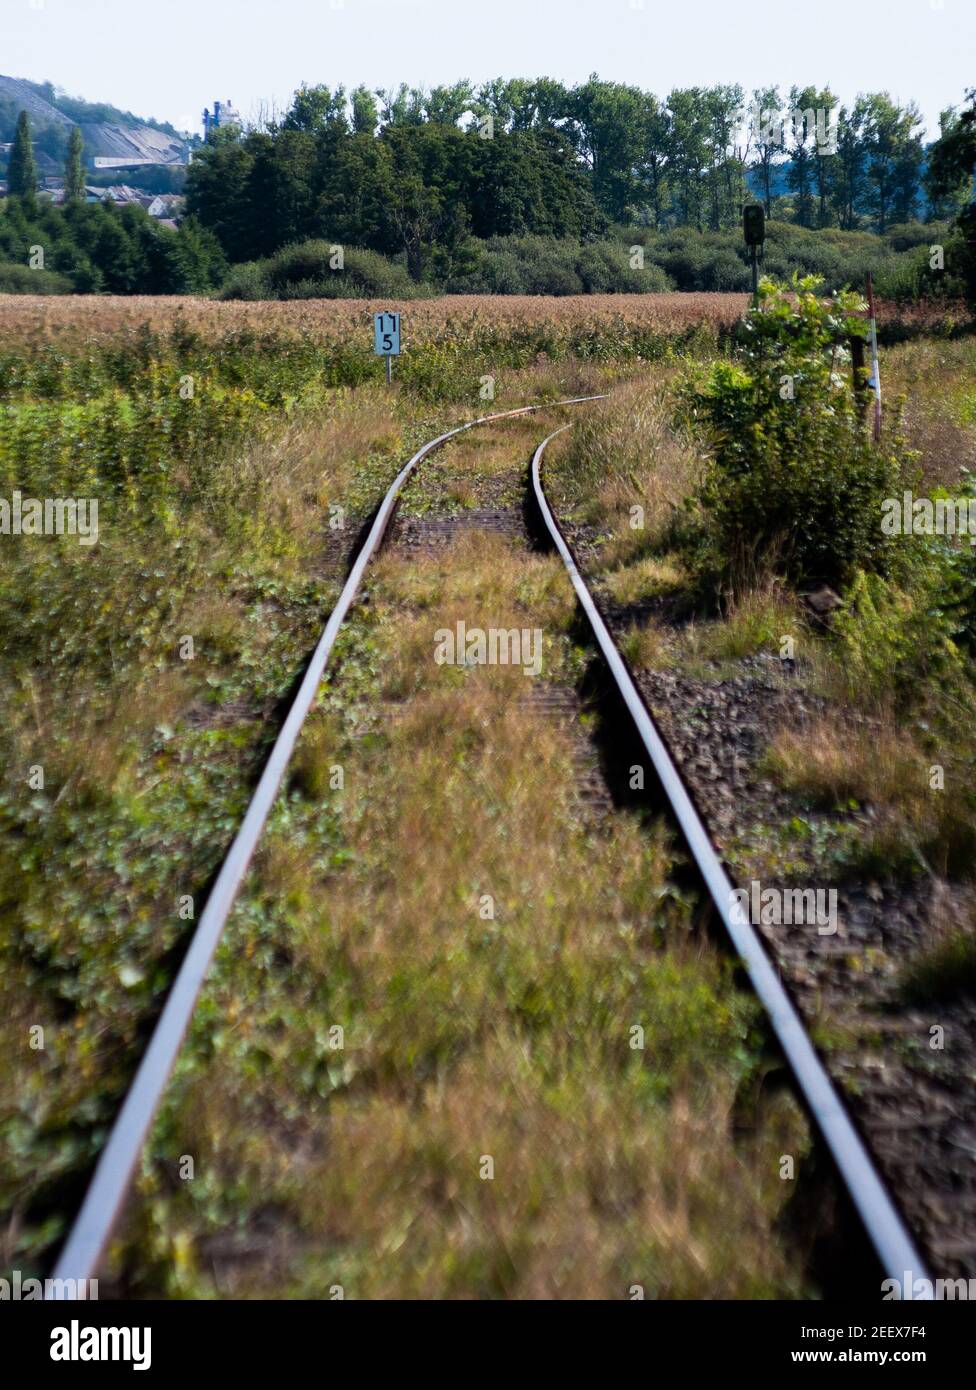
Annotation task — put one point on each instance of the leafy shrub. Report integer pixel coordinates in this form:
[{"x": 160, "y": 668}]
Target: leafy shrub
[
  {"x": 794, "y": 484},
  {"x": 917, "y": 626},
  {"x": 307, "y": 271},
  {"x": 723, "y": 270},
  {"x": 246, "y": 281},
  {"x": 20, "y": 279},
  {"x": 547, "y": 265},
  {"x": 907, "y": 235},
  {"x": 494, "y": 272},
  {"x": 99, "y": 247},
  {"x": 605, "y": 268},
  {"x": 907, "y": 277}
]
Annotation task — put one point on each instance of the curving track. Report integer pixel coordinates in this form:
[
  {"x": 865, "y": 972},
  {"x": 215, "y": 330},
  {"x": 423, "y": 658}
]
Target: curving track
[
  {"x": 105, "y": 1196},
  {"x": 103, "y": 1200}
]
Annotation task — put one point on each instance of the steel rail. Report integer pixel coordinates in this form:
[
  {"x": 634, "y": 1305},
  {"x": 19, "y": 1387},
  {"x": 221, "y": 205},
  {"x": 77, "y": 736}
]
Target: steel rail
[
  {"x": 106, "y": 1192},
  {"x": 885, "y": 1228}
]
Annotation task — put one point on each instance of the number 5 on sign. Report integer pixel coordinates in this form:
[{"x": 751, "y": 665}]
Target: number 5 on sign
[
  {"x": 386, "y": 328},
  {"x": 386, "y": 339}
]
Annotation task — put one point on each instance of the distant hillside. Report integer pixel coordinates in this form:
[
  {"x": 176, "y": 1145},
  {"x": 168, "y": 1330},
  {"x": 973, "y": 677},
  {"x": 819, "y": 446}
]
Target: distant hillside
[
  {"x": 25, "y": 96},
  {"x": 81, "y": 112},
  {"x": 108, "y": 133}
]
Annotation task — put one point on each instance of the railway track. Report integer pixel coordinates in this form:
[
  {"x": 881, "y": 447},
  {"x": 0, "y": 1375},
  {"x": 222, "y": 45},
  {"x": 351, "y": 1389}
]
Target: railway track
[{"x": 104, "y": 1199}]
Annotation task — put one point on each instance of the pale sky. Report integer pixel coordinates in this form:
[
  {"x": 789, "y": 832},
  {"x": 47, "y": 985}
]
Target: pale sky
[{"x": 170, "y": 58}]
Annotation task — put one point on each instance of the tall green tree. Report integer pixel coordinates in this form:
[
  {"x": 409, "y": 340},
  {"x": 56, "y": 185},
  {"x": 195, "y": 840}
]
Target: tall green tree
[
  {"x": 848, "y": 168},
  {"x": 446, "y": 105},
  {"x": 314, "y": 108},
  {"x": 952, "y": 160},
  {"x": 607, "y": 131},
  {"x": 74, "y": 168},
  {"x": 22, "y": 170},
  {"x": 401, "y": 106},
  {"x": 767, "y": 139},
  {"x": 687, "y": 106},
  {"x": 824, "y": 155},
  {"x": 802, "y": 169},
  {"x": 894, "y": 158},
  {"x": 656, "y": 157},
  {"x": 365, "y": 116},
  {"x": 726, "y": 171},
  {"x": 952, "y": 166}
]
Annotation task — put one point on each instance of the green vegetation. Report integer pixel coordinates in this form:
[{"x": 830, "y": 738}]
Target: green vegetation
[
  {"x": 946, "y": 971},
  {"x": 215, "y": 464},
  {"x": 537, "y": 157},
  {"x": 547, "y": 189},
  {"x": 74, "y": 169},
  {"x": 22, "y": 171},
  {"x": 793, "y": 483},
  {"x": 98, "y": 247},
  {"x": 532, "y": 188},
  {"x": 213, "y": 514},
  {"x": 748, "y": 495},
  {"x": 951, "y": 182}
]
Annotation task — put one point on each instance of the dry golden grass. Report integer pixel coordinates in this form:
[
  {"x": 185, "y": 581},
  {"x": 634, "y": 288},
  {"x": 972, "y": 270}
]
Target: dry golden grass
[
  {"x": 84, "y": 317},
  {"x": 937, "y": 381},
  {"x": 648, "y": 577},
  {"x": 73, "y": 316},
  {"x": 623, "y": 454},
  {"x": 648, "y": 646},
  {"x": 918, "y": 819},
  {"x": 834, "y": 760}
]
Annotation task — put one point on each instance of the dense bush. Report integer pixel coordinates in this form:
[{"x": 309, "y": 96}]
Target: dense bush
[
  {"x": 544, "y": 265},
  {"x": 306, "y": 271},
  {"x": 704, "y": 261},
  {"x": 245, "y": 281},
  {"x": 20, "y": 279},
  {"x": 309, "y": 271},
  {"x": 604, "y": 270},
  {"x": 793, "y": 483}
]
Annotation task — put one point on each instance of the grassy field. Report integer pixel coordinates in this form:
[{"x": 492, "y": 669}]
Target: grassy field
[
  {"x": 234, "y": 449},
  {"x": 144, "y": 675},
  {"x": 501, "y": 318}
]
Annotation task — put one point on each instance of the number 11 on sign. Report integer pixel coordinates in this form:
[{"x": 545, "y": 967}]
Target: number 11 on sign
[{"x": 386, "y": 339}]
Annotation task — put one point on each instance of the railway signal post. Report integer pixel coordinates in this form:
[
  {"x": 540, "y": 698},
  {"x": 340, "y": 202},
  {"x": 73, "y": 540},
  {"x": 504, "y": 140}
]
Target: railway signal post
[{"x": 754, "y": 230}]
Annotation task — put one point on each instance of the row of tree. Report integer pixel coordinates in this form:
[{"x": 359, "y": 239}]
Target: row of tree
[
  {"x": 414, "y": 171},
  {"x": 416, "y": 175},
  {"x": 22, "y": 167},
  {"x": 94, "y": 247}
]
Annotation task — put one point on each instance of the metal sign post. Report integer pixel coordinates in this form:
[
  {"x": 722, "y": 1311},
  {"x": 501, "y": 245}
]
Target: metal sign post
[{"x": 386, "y": 339}]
